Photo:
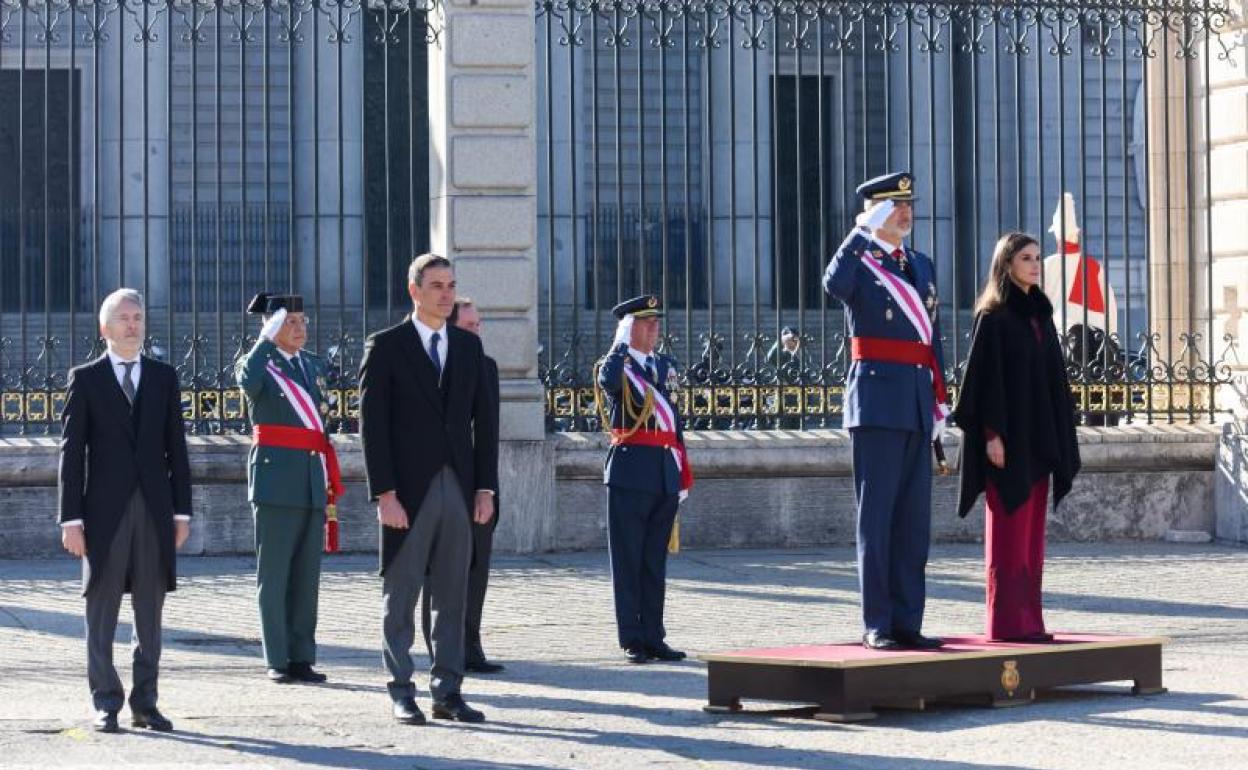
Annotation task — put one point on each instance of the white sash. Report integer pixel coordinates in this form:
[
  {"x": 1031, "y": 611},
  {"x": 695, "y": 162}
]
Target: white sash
[{"x": 302, "y": 402}]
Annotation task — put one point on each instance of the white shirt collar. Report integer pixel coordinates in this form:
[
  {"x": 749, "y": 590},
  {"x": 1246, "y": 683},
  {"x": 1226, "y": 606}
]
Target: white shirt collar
[
  {"x": 889, "y": 248},
  {"x": 426, "y": 331},
  {"x": 286, "y": 355},
  {"x": 640, "y": 357},
  {"x": 118, "y": 360}
]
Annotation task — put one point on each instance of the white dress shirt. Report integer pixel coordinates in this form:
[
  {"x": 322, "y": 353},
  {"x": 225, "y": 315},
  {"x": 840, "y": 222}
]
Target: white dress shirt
[
  {"x": 119, "y": 371},
  {"x": 426, "y": 334},
  {"x": 640, "y": 358}
]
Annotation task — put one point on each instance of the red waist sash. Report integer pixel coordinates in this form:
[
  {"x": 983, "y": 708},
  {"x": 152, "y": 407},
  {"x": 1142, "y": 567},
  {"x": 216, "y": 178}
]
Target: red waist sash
[
  {"x": 658, "y": 438},
  {"x": 901, "y": 352},
  {"x": 290, "y": 437}
]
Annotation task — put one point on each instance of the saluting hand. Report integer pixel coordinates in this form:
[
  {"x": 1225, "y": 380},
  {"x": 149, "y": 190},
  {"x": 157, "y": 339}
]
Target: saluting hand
[
  {"x": 273, "y": 325},
  {"x": 996, "y": 452},
  {"x": 874, "y": 218},
  {"x": 390, "y": 512}
]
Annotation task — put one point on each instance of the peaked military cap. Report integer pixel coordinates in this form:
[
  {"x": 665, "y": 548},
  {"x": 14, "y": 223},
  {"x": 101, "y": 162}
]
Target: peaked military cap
[
  {"x": 898, "y": 186},
  {"x": 645, "y": 306},
  {"x": 267, "y": 303}
]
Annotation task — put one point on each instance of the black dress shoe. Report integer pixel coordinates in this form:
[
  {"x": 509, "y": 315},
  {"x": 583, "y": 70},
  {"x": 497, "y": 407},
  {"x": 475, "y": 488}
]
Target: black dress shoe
[
  {"x": 916, "y": 641},
  {"x": 303, "y": 672},
  {"x": 878, "y": 640},
  {"x": 279, "y": 676},
  {"x": 105, "y": 722},
  {"x": 406, "y": 711},
  {"x": 453, "y": 707},
  {"x": 483, "y": 667},
  {"x": 151, "y": 719},
  {"x": 663, "y": 652},
  {"x": 636, "y": 654}
]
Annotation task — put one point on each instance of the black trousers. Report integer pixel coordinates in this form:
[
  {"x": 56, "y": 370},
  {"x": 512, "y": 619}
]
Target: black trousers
[{"x": 639, "y": 526}]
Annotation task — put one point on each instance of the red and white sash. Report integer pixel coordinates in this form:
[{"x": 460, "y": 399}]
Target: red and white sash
[
  {"x": 665, "y": 420},
  {"x": 911, "y": 304},
  {"x": 301, "y": 400}
]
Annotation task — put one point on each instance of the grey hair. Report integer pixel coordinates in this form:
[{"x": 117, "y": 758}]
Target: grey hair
[{"x": 112, "y": 301}]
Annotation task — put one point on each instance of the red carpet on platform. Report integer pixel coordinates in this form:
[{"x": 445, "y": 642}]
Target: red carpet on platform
[{"x": 847, "y": 682}]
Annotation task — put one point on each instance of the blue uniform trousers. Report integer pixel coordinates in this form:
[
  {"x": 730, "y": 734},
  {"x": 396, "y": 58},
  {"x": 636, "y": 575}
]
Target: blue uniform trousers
[
  {"x": 639, "y": 526},
  {"x": 893, "y": 483}
]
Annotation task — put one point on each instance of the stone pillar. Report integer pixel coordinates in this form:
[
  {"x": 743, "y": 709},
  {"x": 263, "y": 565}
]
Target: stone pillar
[
  {"x": 1228, "y": 138},
  {"x": 483, "y": 186},
  {"x": 1169, "y": 106},
  {"x": 133, "y": 175}
]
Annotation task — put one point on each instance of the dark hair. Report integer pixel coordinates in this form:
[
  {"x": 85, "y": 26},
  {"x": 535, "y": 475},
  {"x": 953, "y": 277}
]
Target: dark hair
[
  {"x": 416, "y": 271},
  {"x": 459, "y": 302},
  {"x": 994, "y": 291}
]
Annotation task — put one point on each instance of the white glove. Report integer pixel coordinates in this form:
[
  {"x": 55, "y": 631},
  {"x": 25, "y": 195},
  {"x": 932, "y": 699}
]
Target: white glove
[
  {"x": 623, "y": 331},
  {"x": 273, "y": 325},
  {"x": 876, "y": 216},
  {"x": 682, "y": 496}
]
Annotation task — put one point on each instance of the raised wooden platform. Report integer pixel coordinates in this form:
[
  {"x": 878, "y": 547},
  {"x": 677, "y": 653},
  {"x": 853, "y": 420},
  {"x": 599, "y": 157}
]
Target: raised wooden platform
[{"x": 847, "y": 682}]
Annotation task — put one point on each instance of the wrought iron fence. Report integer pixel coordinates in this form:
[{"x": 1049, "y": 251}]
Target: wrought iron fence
[
  {"x": 751, "y": 122},
  {"x": 200, "y": 151}
]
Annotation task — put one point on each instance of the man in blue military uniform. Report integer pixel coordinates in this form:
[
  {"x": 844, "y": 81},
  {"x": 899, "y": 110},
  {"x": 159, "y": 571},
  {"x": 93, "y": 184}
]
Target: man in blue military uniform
[
  {"x": 894, "y": 403},
  {"x": 647, "y": 474}
]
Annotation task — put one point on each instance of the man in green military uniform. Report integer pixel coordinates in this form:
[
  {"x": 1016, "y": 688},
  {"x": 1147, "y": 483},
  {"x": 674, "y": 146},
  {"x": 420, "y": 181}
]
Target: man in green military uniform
[{"x": 292, "y": 481}]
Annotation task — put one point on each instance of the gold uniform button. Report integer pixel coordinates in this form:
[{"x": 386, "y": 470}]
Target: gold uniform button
[{"x": 312, "y": 453}]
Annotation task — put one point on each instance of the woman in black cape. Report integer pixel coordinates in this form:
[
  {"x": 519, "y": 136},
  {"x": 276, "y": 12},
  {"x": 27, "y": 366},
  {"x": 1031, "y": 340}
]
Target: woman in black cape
[{"x": 1018, "y": 422}]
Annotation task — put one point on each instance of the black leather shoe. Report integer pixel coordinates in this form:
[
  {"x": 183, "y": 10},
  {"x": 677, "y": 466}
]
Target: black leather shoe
[
  {"x": 916, "y": 641},
  {"x": 878, "y": 640},
  {"x": 636, "y": 654},
  {"x": 105, "y": 722},
  {"x": 483, "y": 667},
  {"x": 279, "y": 676},
  {"x": 453, "y": 707},
  {"x": 151, "y": 719},
  {"x": 663, "y": 652},
  {"x": 303, "y": 672},
  {"x": 407, "y": 712}
]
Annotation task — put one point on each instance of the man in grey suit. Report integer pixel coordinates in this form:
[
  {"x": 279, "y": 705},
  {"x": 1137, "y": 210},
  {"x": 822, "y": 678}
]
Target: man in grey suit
[
  {"x": 125, "y": 502},
  {"x": 429, "y": 429}
]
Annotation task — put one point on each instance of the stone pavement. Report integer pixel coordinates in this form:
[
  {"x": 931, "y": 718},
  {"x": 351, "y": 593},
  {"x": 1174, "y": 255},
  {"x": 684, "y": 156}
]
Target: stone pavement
[{"x": 568, "y": 701}]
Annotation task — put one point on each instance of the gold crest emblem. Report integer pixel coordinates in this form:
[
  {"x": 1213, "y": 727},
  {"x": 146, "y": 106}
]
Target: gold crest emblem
[
  {"x": 652, "y": 302},
  {"x": 903, "y": 184},
  {"x": 1010, "y": 678}
]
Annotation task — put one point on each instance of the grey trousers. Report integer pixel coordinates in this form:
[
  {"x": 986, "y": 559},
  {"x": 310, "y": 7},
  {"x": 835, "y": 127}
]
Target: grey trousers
[
  {"x": 134, "y": 553},
  {"x": 441, "y": 541}
]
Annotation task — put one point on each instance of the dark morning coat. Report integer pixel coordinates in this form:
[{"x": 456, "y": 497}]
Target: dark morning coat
[
  {"x": 411, "y": 428},
  {"x": 108, "y": 449},
  {"x": 1015, "y": 386}
]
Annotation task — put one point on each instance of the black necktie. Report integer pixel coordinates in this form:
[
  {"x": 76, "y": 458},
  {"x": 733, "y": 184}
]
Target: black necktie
[
  {"x": 650, "y": 370},
  {"x": 434, "y": 356}
]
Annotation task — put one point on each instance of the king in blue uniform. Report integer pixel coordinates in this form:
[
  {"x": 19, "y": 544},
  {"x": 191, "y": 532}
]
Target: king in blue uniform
[
  {"x": 890, "y": 407},
  {"x": 646, "y": 473}
]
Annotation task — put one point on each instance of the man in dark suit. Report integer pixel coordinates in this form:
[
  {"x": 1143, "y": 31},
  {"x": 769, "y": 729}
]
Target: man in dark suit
[
  {"x": 125, "y": 502},
  {"x": 466, "y": 316},
  {"x": 647, "y": 475},
  {"x": 429, "y": 427},
  {"x": 894, "y": 402}
]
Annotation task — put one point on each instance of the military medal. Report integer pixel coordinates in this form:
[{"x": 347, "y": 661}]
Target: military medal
[{"x": 324, "y": 408}]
